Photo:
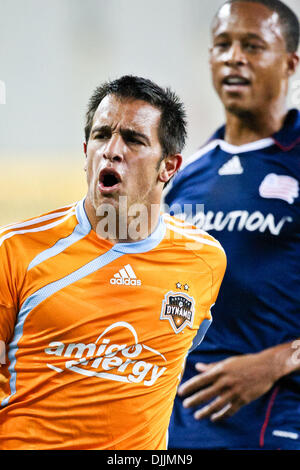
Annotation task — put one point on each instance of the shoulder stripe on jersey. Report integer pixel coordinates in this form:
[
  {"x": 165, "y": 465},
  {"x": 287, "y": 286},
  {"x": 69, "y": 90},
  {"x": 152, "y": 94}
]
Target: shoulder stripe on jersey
[
  {"x": 229, "y": 148},
  {"x": 202, "y": 151},
  {"x": 201, "y": 333},
  {"x": 42, "y": 294},
  {"x": 60, "y": 246},
  {"x": 189, "y": 229},
  {"x": 205, "y": 241},
  {"x": 184, "y": 224},
  {"x": 37, "y": 220},
  {"x": 38, "y": 229}
]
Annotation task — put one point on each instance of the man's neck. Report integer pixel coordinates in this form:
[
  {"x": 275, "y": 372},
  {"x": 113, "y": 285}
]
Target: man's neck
[
  {"x": 249, "y": 127},
  {"x": 121, "y": 227}
]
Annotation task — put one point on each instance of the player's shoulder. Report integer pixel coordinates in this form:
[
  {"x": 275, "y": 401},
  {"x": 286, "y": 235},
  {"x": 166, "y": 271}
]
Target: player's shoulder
[
  {"x": 199, "y": 156},
  {"x": 189, "y": 237},
  {"x": 36, "y": 227},
  {"x": 199, "y": 162}
]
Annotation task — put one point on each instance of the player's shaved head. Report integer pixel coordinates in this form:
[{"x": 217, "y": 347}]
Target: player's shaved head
[{"x": 287, "y": 19}]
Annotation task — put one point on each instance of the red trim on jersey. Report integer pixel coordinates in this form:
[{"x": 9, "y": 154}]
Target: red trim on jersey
[
  {"x": 268, "y": 413},
  {"x": 286, "y": 148}
]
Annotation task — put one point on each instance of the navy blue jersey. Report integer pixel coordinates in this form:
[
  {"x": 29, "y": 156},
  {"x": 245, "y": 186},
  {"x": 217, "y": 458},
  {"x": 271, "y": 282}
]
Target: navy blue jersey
[{"x": 248, "y": 198}]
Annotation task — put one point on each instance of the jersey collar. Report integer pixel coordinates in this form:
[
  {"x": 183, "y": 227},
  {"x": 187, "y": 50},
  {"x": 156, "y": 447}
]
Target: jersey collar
[
  {"x": 289, "y": 136},
  {"x": 141, "y": 246},
  {"x": 286, "y": 139}
]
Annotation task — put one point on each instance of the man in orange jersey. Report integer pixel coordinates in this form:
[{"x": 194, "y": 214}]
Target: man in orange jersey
[{"x": 100, "y": 303}]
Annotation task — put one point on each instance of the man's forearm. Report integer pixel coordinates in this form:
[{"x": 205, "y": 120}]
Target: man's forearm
[{"x": 283, "y": 358}]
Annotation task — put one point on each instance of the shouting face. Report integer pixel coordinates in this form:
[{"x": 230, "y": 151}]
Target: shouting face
[{"x": 124, "y": 155}]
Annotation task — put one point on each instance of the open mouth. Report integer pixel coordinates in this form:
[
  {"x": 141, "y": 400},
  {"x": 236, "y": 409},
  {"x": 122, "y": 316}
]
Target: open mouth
[
  {"x": 235, "y": 80},
  {"x": 109, "y": 179}
]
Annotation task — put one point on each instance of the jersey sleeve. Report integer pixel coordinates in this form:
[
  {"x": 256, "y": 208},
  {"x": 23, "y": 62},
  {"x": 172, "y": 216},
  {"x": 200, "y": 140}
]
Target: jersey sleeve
[
  {"x": 218, "y": 273},
  {"x": 8, "y": 295},
  {"x": 218, "y": 267},
  {"x": 217, "y": 261}
]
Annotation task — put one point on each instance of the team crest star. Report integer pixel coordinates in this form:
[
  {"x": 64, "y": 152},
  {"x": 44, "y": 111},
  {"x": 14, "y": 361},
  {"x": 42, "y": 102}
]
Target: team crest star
[
  {"x": 178, "y": 285},
  {"x": 186, "y": 287}
]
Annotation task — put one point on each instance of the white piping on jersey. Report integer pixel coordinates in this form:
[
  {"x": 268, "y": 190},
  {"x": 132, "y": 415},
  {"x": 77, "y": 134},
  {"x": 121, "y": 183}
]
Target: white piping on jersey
[
  {"x": 38, "y": 229},
  {"x": 202, "y": 151},
  {"x": 61, "y": 245},
  {"x": 36, "y": 220},
  {"x": 257, "y": 145},
  {"x": 205, "y": 241},
  {"x": 287, "y": 434},
  {"x": 183, "y": 224},
  {"x": 42, "y": 294},
  {"x": 229, "y": 148},
  {"x": 80, "y": 231},
  {"x": 45, "y": 292},
  {"x": 191, "y": 230}
]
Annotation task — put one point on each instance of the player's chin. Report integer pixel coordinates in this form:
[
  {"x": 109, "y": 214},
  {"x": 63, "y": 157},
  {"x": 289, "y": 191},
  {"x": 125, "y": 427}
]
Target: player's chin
[
  {"x": 238, "y": 107},
  {"x": 109, "y": 199}
]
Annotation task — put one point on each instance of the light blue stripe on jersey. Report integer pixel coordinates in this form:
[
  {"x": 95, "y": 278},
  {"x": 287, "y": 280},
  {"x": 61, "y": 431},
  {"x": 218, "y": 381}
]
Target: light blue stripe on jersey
[
  {"x": 42, "y": 294},
  {"x": 80, "y": 231},
  {"x": 45, "y": 292},
  {"x": 201, "y": 333},
  {"x": 141, "y": 246},
  {"x": 59, "y": 246},
  {"x": 82, "y": 217},
  {"x": 144, "y": 245}
]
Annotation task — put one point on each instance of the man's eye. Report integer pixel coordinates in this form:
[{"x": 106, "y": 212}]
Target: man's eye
[
  {"x": 100, "y": 136},
  {"x": 222, "y": 45},
  {"x": 133, "y": 140},
  {"x": 253, "y": 47}
]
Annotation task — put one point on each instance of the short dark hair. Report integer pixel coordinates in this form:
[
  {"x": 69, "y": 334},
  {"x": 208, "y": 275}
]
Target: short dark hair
[
  {"x": 172, "y": 127},
  {"x": 288, "y": 20}
]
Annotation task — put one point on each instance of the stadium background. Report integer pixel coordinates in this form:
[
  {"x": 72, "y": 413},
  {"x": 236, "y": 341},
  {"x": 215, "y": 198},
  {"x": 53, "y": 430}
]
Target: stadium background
[{"x": 53, "y": 53}]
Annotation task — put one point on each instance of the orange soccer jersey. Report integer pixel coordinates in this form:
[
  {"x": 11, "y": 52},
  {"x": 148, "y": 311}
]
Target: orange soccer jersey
[{"x": 96, "y": 333}]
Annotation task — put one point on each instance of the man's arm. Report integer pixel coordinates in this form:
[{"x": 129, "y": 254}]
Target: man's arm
[
  {"x": 238, "y": 380},
  {"x": 8, "y": 299}
]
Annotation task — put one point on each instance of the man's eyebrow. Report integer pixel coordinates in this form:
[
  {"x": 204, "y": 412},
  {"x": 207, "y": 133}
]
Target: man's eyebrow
[
  {"x": 221, "y": 35},
  {"x": 254, "y": 36},
  {"x": 127, "y": 132},
  {"x": 105, "y": 129},
  {"x": 249, "y": 35}
]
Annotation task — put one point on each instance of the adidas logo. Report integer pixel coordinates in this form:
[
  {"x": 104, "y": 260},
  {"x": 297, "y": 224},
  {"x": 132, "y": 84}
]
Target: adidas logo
[
  {"x": 126, "y": 277},
  {"x": 232, "y": 167}
]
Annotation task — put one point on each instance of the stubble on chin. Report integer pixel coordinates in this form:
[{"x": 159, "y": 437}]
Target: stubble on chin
[{"x": 240, "y": 112}]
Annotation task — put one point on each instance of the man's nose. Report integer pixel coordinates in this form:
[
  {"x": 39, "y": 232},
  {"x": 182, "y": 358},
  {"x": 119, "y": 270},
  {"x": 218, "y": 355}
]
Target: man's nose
[
  {"x": 235, "y": 55},
  {"x": 114, "y": 149}
]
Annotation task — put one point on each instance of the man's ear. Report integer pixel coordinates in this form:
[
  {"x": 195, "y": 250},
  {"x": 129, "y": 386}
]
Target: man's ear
[
  {"x": 292, "y": 64},
  {"x": 168, "y": 167},
  {"x": 84, "y": 150},
  {"x": 210, "y": 50}
]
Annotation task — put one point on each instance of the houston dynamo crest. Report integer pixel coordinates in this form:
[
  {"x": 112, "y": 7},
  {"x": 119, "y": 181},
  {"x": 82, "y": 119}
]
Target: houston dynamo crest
[{"x": 179, "y": 309}]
